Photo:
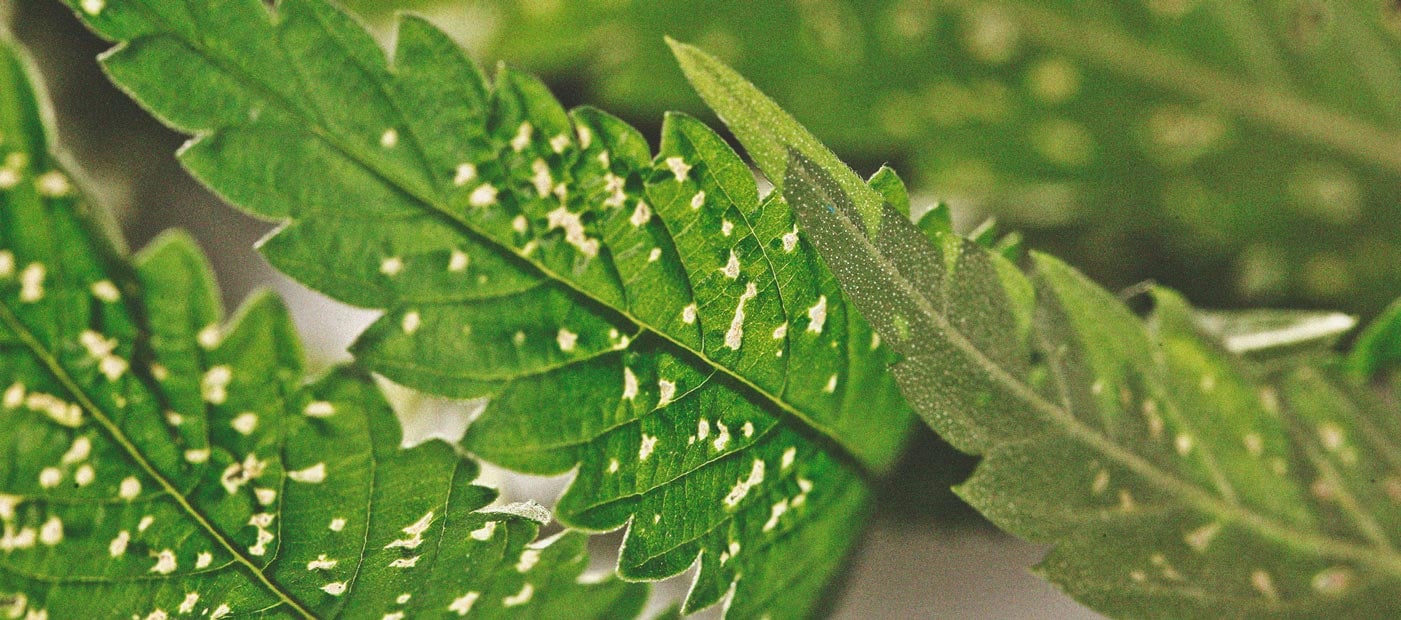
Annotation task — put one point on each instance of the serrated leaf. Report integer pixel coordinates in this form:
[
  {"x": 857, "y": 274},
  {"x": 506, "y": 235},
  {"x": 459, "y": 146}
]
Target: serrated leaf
[
  {"x": 1172, "y": 477},
  {"x": 1259, "y": 135},
  {"x": 159, "y": 463},
  {"x": 648, "y": 321}
]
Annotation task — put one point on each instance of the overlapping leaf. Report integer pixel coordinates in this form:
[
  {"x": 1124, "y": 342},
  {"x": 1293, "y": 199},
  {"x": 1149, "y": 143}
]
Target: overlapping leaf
[
  {"x": 159, "y": 465},
  {"x": 1176, "y": 132},
  {"x": 1173, "y": 477},
  {"x": 647, "y": 321}
]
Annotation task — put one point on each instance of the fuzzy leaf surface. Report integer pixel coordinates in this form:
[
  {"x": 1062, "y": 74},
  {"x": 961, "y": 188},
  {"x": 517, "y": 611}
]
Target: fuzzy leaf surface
[
  {"x": 161, "y": 463},
  {"x": 1173, "y": 476},
  {"x": 648, "y": 321}
]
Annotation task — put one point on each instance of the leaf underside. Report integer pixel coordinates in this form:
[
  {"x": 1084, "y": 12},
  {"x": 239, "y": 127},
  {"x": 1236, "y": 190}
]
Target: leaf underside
[
  {"x": 648, "y": 321},
  {"x": 159, "y": 463},
  {"x": 1182, "y": 465}
]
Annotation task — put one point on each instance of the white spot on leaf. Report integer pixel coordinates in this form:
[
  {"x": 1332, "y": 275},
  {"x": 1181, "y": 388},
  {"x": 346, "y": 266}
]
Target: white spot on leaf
[
  {"x": 389, "y": 139},
  {"x": 629, "y": 384},
  {"x": 817, "y": 315},
  {"x": 106, "y": 291},
  {"x": 462, "y": 605},
  {"x": 742, "y": 487},
  {"x": 679, "y": 168},
  {"x": 567, "y": 340},
  {"x": 722, "y": 438},
  {"x": 464, "y": 174},
  {"x": 391, "y": 266},
  {"x": 31, "y": 282},
  {"x": 1332, "y": 581},
  {"x": 731, "y": 268},
  {"x": 641, "y": 214},
  {"x": 574, "y": 233},
  {"x": 542, "y": 179},
  {"x": 1264, "y": 584},
  {"x": 165, "y": 562},
  {"x": 129, "y": 489},
  {"x": 776, "y": 512},
  {"x": 315, "y": 474},
  {"x": 214, "y": 385},
  {"x": 1183, "y": 443},
  {"x": 559, "y": 143},
  {"x": 529, "y": 558},
  {"x": 411, "y": 322},
  {"x": 187, "y": 605},
  {"x": 649, "y": 443},
  {"x": 734, "y": 337},
  {"x": 1200, "y": 538},
  {"x": 245, "y": 423},
  {"x": 51, "y": 532},
  {"x": 790, "y": 239},
  {"x": 522, "y": 139},
  {"x": 789, "y": 455},
  {"x": 483, "y": 196},
  {"x": 78, "y": 451},
  {"x": 667, "y": 390}
]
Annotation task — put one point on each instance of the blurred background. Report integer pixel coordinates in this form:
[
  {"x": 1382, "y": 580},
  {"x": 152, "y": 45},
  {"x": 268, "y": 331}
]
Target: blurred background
[{"x": 1245, "y": 152}]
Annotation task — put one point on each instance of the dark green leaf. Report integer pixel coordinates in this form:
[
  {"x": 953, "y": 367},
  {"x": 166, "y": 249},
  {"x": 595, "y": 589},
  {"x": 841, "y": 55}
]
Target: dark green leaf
[
  {"x": 649, "y": 322},
  {"x": 159, "y": 463}
]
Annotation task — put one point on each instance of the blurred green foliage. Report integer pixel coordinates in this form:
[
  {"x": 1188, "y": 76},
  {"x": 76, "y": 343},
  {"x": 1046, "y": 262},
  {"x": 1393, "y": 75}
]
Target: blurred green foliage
[{"x": 1245, "y": 151}]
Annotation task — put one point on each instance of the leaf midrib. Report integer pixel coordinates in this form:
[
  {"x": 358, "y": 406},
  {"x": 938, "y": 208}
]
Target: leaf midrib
[
  {"x": 51, "y": 363},
  {"x": 1263, "y": 525},
  {"x": 1283, "y": 111},
  {"x": 847, "y": 454}
]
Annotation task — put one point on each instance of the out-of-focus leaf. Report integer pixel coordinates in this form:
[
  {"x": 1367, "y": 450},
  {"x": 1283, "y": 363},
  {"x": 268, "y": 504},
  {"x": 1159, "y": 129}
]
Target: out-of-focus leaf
[{"x": 1244, "y": 148}]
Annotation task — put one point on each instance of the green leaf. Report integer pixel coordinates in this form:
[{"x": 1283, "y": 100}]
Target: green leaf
[
  {"x": 649, "y": 322},
  {"x": 1207, "y": 133},
  {"x": 1378, "y": 348},
  {"x": 1172, "y": 477},
  {"x": 159, "y": 463}
]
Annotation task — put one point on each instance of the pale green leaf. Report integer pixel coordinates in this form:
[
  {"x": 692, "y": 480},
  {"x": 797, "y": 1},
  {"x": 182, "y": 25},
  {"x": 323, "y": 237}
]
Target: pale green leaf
[
  {"x": 1172, "y": 477},
  {"x": 649, "y": 322},
  {"x": 161, "y": 463}
]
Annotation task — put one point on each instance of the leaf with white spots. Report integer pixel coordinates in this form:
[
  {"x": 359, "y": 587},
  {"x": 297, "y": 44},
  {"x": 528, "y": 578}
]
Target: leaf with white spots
[
  {"x": 150, "y": 470},
  {"x": 1252, "y": 143},
  {"x": 608, "y": 299},
  {"x": 1184, "y": 465}
]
